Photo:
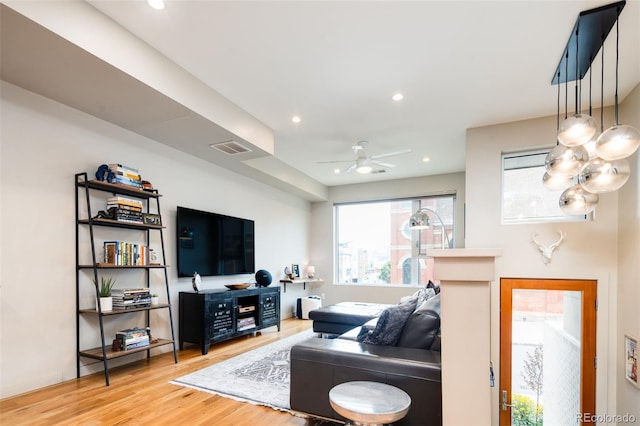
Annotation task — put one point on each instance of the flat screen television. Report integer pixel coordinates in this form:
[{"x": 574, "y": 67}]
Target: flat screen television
[{"x": 214, "y": 244}]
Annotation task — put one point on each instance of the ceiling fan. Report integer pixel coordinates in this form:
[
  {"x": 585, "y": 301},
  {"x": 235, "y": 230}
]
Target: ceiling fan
[{"x": 365, "y": 163}]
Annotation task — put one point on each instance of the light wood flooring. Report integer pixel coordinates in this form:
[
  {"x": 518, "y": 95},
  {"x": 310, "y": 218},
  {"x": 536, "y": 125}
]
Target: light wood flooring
[{"x": 140, "y": 393}]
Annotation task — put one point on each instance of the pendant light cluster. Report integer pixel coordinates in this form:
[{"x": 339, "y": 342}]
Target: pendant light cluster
[{"x": 584, "y": 162}]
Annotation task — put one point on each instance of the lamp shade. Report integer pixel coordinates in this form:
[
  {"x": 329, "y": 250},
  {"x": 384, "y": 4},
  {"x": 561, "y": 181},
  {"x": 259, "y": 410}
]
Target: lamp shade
[
  {"x": 618, "y": 142},
  {"x": 565, "y": 161},
  {"x": 419, "y": 220},
  {"x": 556, "y": 183},
  {"x": 577, "y": 201},
  {"x": 590, "y": 146},
  {"x": 577, "y": 130},
  {"x": 599, "y": 176}
]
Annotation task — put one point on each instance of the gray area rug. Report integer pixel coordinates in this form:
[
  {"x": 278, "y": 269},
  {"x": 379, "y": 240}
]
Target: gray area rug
[{"x": 259, "y": 377}]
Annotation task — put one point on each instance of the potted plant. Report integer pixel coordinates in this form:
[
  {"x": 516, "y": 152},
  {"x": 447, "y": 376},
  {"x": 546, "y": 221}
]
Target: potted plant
[
  {"x": 155, "y": 300},
  {"x": 106, "y": 301}
]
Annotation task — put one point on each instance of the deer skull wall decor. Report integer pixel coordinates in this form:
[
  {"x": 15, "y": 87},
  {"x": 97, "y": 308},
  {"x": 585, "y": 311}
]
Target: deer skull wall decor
[{"x": 547, "y": 252}]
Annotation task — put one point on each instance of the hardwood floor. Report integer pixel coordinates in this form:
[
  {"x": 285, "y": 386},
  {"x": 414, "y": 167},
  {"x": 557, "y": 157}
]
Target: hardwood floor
[{"x": 140, "y": 393}]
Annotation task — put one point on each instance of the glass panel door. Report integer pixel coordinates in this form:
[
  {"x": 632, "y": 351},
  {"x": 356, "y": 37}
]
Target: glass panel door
[{"x": 545, "y": 330}]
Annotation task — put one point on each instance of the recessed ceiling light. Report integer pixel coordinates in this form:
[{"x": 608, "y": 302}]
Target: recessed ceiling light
[
  {"x": 156, "y": 4},
  {"x": 426, "y": 159},
  {"x": 296, "y": 119},
  {"x": 397, "y": 97},
  {"x": 336, "y": 171}
]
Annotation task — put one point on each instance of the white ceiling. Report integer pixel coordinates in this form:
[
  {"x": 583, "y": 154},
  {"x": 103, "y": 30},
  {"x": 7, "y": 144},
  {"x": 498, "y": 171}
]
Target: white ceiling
[{"x": 336, "y": 64}]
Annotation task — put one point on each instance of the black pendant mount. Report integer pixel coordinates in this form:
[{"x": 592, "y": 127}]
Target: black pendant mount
[{"x": 589, "y": 33}]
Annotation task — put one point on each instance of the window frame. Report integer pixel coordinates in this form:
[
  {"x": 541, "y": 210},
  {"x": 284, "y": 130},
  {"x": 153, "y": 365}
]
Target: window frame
[
  {"x": 417, "y": 250},
  {"x": 505, "y": 156}
]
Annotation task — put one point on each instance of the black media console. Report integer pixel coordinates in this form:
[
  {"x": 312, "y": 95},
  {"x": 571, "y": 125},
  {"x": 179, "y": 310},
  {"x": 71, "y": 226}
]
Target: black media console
[{"x": 212, "y": 316}]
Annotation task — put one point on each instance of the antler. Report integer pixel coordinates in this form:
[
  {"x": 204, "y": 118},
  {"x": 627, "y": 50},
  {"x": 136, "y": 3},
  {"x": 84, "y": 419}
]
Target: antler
[
  {"x": 537, "y": 243},
  {"x": 547, "y": 252},
  {"x": 553, "y": 246}
]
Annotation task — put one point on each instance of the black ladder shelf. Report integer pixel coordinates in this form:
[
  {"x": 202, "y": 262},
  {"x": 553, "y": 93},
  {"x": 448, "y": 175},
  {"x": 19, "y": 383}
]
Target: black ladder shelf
[{"x": 95, "y": 266}]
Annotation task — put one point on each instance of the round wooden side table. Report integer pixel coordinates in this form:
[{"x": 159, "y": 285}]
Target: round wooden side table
[{"x": 369, "y": 403}]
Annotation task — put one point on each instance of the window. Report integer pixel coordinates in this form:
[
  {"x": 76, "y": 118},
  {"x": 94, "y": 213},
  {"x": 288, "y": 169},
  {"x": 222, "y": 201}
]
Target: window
[
  {"x": 524, "y": 198},
  {"x": 376, "y": 246}
]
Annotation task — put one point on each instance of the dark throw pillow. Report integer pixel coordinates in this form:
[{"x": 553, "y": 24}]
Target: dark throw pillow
[
  {"x": 422, "y": 326},
  {"x": 389, "y": 326}
]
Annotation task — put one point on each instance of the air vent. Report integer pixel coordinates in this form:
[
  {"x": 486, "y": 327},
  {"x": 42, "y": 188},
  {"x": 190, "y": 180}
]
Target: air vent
[{"x": 230, "y": 147}]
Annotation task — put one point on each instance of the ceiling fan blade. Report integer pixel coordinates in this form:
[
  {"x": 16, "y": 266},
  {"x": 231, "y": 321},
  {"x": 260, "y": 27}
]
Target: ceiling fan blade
[
  {"x": 334, "y": 161},
  {"x": 350, "y": 168},
  {"x": 381, "y": 164},
  {"x": 389, "y": 154}
]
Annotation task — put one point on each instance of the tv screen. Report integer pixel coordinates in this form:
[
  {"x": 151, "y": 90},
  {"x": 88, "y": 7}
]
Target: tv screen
[{"x": 214, "y": 244}]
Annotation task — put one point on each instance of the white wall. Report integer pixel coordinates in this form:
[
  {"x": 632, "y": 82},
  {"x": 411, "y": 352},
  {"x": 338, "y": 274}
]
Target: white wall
[
  {"x": 590, "y": 250},
  {"x": 628, "y": 314},
  {"x": 43, "y": 144},
  {"x": 322, "y": 237}
]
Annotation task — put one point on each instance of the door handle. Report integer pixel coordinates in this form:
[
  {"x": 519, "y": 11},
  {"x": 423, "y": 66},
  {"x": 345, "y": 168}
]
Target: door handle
[{"x": 504, "y": 401}]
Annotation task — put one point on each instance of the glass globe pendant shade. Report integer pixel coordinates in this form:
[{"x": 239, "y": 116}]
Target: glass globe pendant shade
[
  {"x": 618, "y": 142},
  {"x": 577, "y": 129},
  {"x": 556, "y": 183},
  {"x": 590, "y": 146},
  {"x": 565, "y": 161},
  {"x": 577, "y": 201},
  {"x": 599, "y": 176}
]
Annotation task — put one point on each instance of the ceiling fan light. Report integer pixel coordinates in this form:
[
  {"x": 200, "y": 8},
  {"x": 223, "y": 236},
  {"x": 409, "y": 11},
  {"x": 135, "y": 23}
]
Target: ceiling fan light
[
  {"x": 599, "y": 176},
  {"x": 618, "y": 142},
  {"x": 577, "y": 130},
  {"x": 556, "y": 183},
  {"x": 565, "y": 161},
  {"x": 577, "y": 201},
  {"x": 363, "y": 166}
]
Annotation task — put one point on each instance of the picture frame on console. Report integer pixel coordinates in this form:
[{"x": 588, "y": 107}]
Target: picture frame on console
[{"x": 295, "y": 271}]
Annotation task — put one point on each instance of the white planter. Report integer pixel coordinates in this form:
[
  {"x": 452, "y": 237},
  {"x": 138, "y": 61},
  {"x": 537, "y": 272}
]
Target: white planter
[
  {"x": 155, "y": 300},
  {"x": 106, "y": 303}
]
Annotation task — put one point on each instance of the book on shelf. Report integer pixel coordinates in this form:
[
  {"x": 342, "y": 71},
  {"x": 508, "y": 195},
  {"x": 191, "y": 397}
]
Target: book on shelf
[
  {"x": 122, "y": 170},
  {"x": 246, "y": 323},
  {"x": 119, "y": 199},
  {"x": 122, "y": 253},
  {"x": 131, "y": 291},
  {"x": 130, "y": 333},
  {"x": 134, "y": 343},
  {"x": 122, "y": 167},
  {"x": 124, "y": 207}
]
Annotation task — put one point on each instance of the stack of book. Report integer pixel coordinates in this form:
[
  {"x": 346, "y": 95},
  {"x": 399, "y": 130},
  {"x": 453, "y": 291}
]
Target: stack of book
[
  {"x": 126, "y": 175},
  {"x": 131, "y": 298},
  {"x": 246, "y": 323},
  {"x": 125, "y": 209},
  {"x": 133, "y": 338},
  {"x": 122, "y": 253}
]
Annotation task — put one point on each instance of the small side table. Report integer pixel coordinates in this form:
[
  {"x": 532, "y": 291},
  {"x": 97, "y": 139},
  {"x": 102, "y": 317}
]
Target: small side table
[{"x": 369, "y": 403}]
